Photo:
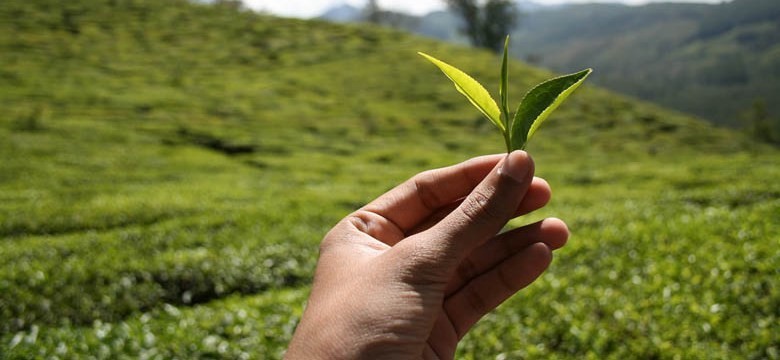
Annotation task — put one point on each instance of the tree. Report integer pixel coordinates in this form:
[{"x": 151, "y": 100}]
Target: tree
[
  {"x": 759, "y": 125},
  {"x": 486, "y": 23},
  {"x": 372, "y": 13}
]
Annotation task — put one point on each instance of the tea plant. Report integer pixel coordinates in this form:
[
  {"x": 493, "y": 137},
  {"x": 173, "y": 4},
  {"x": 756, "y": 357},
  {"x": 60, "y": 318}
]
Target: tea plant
[
  {"x": 129, "y": 230},
  {"x": 535, "y": 107}
]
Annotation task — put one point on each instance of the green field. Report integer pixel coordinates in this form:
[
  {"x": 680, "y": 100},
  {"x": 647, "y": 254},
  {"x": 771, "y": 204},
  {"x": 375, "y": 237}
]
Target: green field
[{"x": 167, "y": 171}]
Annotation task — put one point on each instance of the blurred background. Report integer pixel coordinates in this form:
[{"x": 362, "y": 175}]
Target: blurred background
[
  {"x": 168, "y": 168},
  {"x": 711, "y": 58}
]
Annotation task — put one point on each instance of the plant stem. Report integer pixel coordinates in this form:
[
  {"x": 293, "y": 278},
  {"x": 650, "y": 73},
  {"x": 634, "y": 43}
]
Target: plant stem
[{"x": 507, "y": 141}]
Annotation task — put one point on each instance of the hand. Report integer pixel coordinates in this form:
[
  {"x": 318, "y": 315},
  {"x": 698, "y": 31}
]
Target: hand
[{"x": 409, "y": 274}]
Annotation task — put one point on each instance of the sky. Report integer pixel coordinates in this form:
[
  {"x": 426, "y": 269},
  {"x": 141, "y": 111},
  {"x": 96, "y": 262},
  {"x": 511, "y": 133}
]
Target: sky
[{"x": 311, "y": 8}]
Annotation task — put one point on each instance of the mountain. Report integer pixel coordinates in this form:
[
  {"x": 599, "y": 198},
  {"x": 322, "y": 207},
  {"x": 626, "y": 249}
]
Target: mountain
[
  {"x": 719, "y": 61},
  {"x": 714, "y": 61},
  {"x": 168, "y": 169},
  {"x": 342, "y": 13},
  {"x": 440, "y": 24}
]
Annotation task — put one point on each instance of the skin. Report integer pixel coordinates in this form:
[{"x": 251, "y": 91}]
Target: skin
[{"x": 409, "y": 274}]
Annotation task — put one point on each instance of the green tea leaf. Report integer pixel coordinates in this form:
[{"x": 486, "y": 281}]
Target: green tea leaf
[
  {"x": 503, "y": 93},
  {"x": 503, "y": 89},
  {"x": 539, "y": 103},
  {"x": 471, "y": 89}
]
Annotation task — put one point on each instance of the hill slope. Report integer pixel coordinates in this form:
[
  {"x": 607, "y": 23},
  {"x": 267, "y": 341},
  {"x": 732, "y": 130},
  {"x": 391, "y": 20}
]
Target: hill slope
[
  {"x": 711, "y": 60},
  {"x": 715, "y": 61},
  {"x": 167, "y": 170}
]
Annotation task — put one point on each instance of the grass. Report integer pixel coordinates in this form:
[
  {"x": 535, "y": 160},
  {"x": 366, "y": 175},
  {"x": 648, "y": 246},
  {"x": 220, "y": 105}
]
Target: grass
[{"x": 168, "y": 169}]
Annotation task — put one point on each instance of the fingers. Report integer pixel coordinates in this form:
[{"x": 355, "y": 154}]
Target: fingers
[
  {"x": 485, "y": 292},
  {"x": 416, "y": 199},
  {"x": 552, "y": 232},
  {"x": 485, "y": 211},
  {"x": 538, "y": 196}
]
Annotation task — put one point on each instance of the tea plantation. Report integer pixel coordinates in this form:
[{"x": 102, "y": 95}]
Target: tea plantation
[{"x": 167, "y": 170}]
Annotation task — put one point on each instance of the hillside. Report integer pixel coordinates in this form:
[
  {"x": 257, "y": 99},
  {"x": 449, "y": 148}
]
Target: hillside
[
  {"x": 714, "y": 61},
  {"x": 167, "y": 170},
  {"x": 711, "y": 60}
]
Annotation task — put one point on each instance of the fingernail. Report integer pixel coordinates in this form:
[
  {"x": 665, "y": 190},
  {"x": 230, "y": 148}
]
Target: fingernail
[{"x": 516, "y": 166}]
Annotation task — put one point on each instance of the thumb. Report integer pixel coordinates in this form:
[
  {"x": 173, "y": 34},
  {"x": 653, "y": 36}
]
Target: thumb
[{"x": 485, "y": 211}]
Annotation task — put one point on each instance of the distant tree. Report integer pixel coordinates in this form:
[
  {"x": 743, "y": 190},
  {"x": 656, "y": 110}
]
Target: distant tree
[
  {"x": 486, "y": 23},
  {"x": 499, "y": 18},
  {"x": 758, "y": 124},
  {"x": 372, "y": 12},
  {"x": 468, "y": 10}
]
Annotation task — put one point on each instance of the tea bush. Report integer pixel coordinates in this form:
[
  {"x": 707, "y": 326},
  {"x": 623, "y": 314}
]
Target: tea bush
[{"x": 125, "y": 232}]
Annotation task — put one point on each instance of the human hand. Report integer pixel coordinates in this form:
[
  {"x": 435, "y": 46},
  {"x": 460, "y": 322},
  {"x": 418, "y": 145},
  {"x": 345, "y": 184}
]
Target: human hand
[{"x": 407, "y": 275}]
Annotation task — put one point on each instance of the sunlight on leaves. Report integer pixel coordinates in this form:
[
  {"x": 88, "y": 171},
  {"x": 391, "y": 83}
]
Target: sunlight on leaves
[
  {"x": 471, "y": 89},
  {"x": 534, "y": 109},
  {"x": 539, "y": 103}
]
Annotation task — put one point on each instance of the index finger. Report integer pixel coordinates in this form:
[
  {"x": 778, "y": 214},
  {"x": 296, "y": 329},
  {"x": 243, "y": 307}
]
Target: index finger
[{"x": 416, "y": 199}]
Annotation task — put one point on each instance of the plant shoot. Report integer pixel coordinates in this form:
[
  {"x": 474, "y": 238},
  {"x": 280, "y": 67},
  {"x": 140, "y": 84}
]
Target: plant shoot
[{"x": 534, "y": 108}]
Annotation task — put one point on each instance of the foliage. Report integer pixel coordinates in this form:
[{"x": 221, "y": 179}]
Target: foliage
[
  {"x": 185, "y": 160},
  {"x": 533, "y": 110},
  {"x": 539, "y": 103}
]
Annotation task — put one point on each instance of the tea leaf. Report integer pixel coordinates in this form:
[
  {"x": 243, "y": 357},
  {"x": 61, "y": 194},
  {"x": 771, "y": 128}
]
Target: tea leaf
[
  {"x": 539, "y": 103},
  {"x": 472, "y": 90},
  {"x": 504, "y": 87},
  {"x": 503, "y": 93}
]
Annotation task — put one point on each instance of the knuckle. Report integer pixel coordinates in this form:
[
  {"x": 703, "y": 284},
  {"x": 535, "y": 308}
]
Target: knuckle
[
  {"x": 424, "y": 187},
  {"x": 336, "y": 236},
  {"x": 360, "y": 220},
  {"x": 478, "y": 207}
]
